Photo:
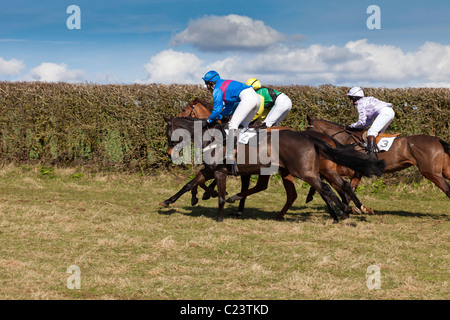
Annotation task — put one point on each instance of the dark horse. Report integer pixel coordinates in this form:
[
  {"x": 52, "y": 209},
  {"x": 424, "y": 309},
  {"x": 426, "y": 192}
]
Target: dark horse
[
  {"x": 430, "y": 154},
  {"x": 199, "y": 108},
  {"x": 298, "y": 155}
]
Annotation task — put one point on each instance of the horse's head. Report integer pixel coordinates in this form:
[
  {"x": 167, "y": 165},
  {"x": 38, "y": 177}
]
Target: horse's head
[
  {"x": 169, "y": 129},
  {"x": 198, "y": 108},
  {"x": 310, "y": 120},
  {"x": 179, "y": 128}
]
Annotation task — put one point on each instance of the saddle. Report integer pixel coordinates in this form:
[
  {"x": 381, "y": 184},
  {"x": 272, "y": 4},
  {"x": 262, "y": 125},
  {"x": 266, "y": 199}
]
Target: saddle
[
  {"x": 383, "y": 141},
  {"x": 380, "y": 136}
]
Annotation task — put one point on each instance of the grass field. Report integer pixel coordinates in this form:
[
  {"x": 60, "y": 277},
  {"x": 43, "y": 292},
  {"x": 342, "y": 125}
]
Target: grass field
[{"x": 127, "y": 247}]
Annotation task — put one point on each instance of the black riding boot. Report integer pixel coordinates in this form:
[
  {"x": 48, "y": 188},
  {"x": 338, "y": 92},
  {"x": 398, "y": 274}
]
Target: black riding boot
[
  {"x": 230, "y": 151},
  {"x": 370, "y": 145}
]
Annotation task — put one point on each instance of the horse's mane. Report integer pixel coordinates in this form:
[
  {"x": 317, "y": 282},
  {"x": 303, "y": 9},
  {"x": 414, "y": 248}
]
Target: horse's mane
[
  {"x": 340, "y": 125},
  {"x": 335, "y": 123},
  {"x": 203, "y": 102}
]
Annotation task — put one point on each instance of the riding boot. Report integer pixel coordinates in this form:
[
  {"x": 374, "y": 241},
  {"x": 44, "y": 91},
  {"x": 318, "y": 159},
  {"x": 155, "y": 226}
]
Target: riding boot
[
  {"x": 230, "y": 150},
  {"x": 370, "y": 145}
]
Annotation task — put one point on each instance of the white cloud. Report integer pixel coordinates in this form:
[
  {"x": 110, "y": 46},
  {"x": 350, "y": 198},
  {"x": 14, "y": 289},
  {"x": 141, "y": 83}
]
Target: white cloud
[
  {"x": 232, "y": 32},
  {"x": 171, "y": 66},
  {"x": 52, "y": 72},
  {"x": 11, "y": 67},
  {"x": 356, "y": 63}
]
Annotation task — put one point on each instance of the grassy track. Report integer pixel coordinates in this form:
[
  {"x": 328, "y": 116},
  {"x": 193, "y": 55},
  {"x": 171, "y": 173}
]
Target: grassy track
[{"x": 127, "y": 247}]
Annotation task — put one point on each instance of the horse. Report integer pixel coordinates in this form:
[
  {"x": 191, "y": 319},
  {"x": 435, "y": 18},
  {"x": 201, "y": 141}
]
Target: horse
[
  {"x": 298, "y": 155},
  {"x": 328, "y": 170},
  {"x": 430, "y": 154}
]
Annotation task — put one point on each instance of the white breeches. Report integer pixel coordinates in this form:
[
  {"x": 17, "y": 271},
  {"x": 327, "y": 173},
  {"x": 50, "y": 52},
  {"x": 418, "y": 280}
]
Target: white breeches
[
  {"x": 279, "y": 111},
  {"x": 381, "y": 122},
  {"x": 246, "y": 109}
]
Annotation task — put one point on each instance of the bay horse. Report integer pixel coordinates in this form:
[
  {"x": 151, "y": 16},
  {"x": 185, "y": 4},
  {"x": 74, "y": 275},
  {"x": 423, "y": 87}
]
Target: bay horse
[
  {"x": 429, "y": 153},
  {"x": 328, "y": 171},
  {"x": 298, "y": 155},
  {"x": 202, "y": 109}
]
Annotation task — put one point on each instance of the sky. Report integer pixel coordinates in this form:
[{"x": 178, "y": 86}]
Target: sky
[{"x": 346, "y": 43}]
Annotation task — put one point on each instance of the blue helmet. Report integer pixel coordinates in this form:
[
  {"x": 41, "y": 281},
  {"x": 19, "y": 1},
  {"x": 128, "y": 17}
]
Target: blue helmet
[{"x": 211, "y": 76}]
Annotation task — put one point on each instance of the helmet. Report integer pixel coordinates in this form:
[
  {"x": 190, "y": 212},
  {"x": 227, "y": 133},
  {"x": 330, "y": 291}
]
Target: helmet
[
  {"x": 254, "y": 83},
  {"x": 211, "y": 76},
  {"x": 356, "y": 92}
]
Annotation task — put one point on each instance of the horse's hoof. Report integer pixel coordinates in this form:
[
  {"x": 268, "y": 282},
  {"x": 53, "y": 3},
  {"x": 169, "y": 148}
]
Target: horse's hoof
[
  {"x": 344, "y": 214},
  {"x": 233, "y": 199},
  {"x": 279, "y": 218},
  {"x": 335, "y": 221},
  {"x": 215, "y": 194},
  {"x": 220, "y": 219},
  {"x": 367, "y": 210},
  {"x": 164, "y": 204},
  {"x": 206, "y": 196},
  {"x": 238, "y": 214},
  {"x": 194, "y": 201},
  {"x": 356, "y": 211},
  {"x": 309, "y": 199}
]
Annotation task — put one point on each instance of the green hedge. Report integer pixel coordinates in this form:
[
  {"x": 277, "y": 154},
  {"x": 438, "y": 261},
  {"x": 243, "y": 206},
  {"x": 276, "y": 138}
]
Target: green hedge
[{"x": 122, "y": 126}]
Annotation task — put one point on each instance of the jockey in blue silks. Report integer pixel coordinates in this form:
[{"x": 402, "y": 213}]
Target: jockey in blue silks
[{"x": 231, "y": 98}]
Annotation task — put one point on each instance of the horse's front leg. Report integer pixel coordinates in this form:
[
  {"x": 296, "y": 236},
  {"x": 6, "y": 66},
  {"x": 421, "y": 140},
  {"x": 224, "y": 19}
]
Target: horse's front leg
[
  {"x": 200, "y": 178},
  {"x": 245, "y": 183},
  {"x": 261, "y": 185},
  {"x": 221, "y": 179},
  {"x": 354, "y": 182},
  {"x": 208, "y": 193}
]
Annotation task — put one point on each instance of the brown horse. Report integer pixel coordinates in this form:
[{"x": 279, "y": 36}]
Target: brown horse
[
  {"x": 298, "y": 155},
  {"x": 328, "y": 170},
  {"x": 430, "y": 154}
]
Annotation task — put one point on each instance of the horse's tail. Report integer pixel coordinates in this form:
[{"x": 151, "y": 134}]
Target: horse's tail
[
  {"x": 446, "y": 146},
  {"x": 360, "y": 162}
]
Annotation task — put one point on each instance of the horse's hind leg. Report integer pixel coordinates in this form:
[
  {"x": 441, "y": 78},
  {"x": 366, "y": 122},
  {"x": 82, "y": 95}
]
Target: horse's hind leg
[
  {"x": 436, "y": 169},
  {"x": 439, "y": 181},
  {"x": 310, "y": 195},
  {"x": 291, "y": 194},
  {"x": 327, "y": 195},
  {"x": 347, "y": 194}
]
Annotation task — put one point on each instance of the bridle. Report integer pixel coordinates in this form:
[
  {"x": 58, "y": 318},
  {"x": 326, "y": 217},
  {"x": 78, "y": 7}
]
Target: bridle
[{"x": 192, "y": 112}]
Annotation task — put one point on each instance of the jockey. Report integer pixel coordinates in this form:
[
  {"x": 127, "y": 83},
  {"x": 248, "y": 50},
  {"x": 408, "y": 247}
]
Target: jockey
[
  {"x": 231, "y": 98},
  {"x": 276, "y": 104},
  {"x": 373, "y": 112}
]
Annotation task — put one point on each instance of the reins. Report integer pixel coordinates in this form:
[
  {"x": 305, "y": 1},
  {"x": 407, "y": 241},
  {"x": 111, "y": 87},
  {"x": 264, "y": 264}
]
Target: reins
[{"x": 357, "y": 140}]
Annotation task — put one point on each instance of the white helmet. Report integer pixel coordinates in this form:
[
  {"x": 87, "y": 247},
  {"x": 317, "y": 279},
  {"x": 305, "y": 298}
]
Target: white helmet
[{"x": 356, "y": 92}]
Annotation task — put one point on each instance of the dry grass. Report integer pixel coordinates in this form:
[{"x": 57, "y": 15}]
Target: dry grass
[{"x": 127, "y": 247}]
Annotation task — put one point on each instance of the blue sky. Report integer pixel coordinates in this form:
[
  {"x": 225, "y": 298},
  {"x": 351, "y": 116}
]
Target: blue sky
[{"x": 279, "y": 42}]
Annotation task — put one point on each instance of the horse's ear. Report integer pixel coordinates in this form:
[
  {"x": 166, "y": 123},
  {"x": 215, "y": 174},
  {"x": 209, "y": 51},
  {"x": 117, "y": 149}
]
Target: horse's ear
[
  {"x": 308, "y": 118},
  {"x": 171, "y": 117},
  {"x": 165, "y": 119}
]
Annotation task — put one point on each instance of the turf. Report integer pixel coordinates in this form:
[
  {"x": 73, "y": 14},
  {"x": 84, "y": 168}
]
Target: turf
[{"x": 127, "y": 247}]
